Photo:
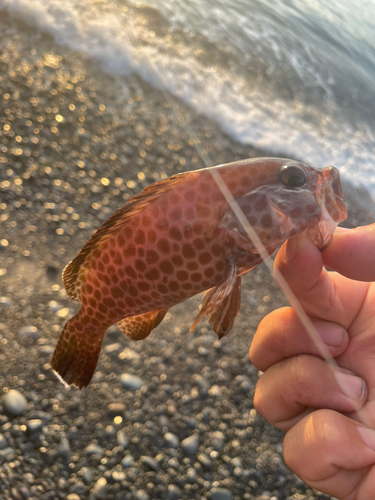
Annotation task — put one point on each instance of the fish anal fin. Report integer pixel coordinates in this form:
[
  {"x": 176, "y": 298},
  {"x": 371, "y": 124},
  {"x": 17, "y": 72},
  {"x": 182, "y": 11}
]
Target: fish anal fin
[
  {"x": 139, "y": 327},
  {"x": 222, "y": 304}
]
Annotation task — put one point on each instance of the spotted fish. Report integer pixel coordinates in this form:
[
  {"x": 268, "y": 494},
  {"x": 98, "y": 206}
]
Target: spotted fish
[{"x": 179, "y": 237}]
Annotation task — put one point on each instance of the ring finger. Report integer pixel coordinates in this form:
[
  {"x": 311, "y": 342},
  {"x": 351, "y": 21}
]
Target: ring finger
[{"x": 292, "y": 388}]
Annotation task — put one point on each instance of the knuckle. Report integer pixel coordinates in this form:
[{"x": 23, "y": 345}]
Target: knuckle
[
  {"x": 301, "y": 368},
  {"x": 323, "y": 308},
  {"x": 273, "y": 332}
]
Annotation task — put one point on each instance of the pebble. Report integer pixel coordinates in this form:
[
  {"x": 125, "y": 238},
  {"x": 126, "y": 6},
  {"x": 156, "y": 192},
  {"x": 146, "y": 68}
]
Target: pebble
[
  {"x": 218, "y": 440},
  {"x": 62, "y": 484},
  {"x": 29, "y": 332},
  {"x": 64, "y": 449},
  {"x": 3, "y": 419},
  {"x": 127, "y": 461},
  {"x": 100, "y": 488},
  {"x": 150, "y": 462},
  {"x": 3, "y": 442},
  {"x": 129, "y": 355},
  {"x": 110, "y": 348},
  {"x": 190, "y": 445},
  {"x": 131, "y": 382},
  {"x": 87, "y": 474},
  {"x": 73, "y": 496},
  {"x": 205, "y": 461},
  {"x": 118, "y": 475},
  {"x": 174, "y": 463},
  {"x": 174, "y": 492},
  {"x": 7, "y": 452},
  {"x": 122, "y": 439},
  {"x": 203, "y": 351},
  {"x": 201, "y": 382},
  {"x": 73, "y": 433},
  {"x": 110, "y": 431},
  {"x": 15, "y": 403},
  {"x": 78, "y": 488},
  {"x": 55, "y": 306},
  {"x": 47, "y": 349},
  {"x": 190, "y": 422},
  {"x": 215, "y": 390},
  {"x": 142, "y": 495},
  {"x": 51, "y": 272},
  {"x": 219, "y": 494},
  {"x": 115, "y": 409},
  {"x": 34, "y": 426},
  {"x": 191, "y": 475},
  {"x": 244, "y": 382},
  {"x": 94, "y": 449},
  {"x": 171, "y": 440},
  {"x": 5, "y": 301},
  {"x": 63, "y": 313},
  {"x": 24, "y": 490}
]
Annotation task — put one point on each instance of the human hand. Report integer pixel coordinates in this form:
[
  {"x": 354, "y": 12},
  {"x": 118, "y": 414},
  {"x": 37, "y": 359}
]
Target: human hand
[{"x": 328, "y": 417}]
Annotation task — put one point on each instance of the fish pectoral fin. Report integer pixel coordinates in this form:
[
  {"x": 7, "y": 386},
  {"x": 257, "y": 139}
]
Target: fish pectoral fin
[
  {"x": 139, "y": 327},
  {"x": 222, "y": 304}
]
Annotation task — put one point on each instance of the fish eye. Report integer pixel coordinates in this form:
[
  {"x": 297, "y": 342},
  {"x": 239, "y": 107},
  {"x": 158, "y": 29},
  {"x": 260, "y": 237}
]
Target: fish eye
[{"x": 292, "y": 176}]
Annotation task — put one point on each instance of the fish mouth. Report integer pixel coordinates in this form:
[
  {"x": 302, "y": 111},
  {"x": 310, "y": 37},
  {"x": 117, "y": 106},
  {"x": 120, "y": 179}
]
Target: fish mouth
[{"x": 330, "y": 199}]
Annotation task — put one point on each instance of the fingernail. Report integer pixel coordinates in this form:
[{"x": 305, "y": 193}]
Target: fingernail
[
  {"x": 331, "y": 334},
  {"x": 291, "y": 249},
  {"x": 351, "y": 386},
  {"x": 368, "y": 436},
  {"x": 342, "y": 230}
]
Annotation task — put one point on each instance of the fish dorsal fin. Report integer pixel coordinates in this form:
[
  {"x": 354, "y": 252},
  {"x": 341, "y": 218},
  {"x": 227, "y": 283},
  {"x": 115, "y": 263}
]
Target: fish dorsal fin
[
  {"x": 139, "y": 327},
  {"x": 221, "y": 304},
  {"x": 123, "y": 215}
]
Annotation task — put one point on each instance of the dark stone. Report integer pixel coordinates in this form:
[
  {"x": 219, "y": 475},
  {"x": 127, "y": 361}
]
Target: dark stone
[
  {"x": 219, "y": 494},
  {"x": 150, "y": 462}
]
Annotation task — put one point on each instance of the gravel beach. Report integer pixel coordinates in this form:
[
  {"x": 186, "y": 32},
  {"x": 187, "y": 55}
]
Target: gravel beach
[{"x": 167, "y": 418}]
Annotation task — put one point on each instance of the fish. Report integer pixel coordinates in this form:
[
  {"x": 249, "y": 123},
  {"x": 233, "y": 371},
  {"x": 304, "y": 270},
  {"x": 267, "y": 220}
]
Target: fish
[{"x": 179, "y": 237}]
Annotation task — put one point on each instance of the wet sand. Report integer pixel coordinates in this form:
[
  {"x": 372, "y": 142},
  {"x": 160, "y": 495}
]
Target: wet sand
[{"x": 75, "y": 144}]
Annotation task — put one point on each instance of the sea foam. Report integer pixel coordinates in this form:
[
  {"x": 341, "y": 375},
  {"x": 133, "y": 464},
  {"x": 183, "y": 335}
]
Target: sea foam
[{"x": 247, "y": 110}]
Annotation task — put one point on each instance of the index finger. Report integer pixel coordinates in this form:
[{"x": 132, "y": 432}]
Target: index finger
[{"x": 325, "y": 295}]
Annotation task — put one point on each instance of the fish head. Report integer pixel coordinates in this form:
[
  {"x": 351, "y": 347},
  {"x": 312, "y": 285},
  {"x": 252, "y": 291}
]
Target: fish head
[
  {"x": 308, "y": 200},
  {"x": 297, "y": 198},
  {"x": 329, "y": 197}
]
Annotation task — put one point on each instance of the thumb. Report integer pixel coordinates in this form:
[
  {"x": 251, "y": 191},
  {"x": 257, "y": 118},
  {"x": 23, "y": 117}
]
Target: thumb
[
  {"x": 301, "y": 264},
  {"x": 328, "y": 296},
  {"x": 352, "y": 253}
]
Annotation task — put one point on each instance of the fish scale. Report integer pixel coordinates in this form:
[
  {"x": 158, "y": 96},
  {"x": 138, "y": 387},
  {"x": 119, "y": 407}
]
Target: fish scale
[{"x": 179, "y": 237}]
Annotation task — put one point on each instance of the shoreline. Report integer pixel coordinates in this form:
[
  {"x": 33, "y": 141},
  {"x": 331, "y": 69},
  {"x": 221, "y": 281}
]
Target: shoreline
[{"x": 64, "y": 176}]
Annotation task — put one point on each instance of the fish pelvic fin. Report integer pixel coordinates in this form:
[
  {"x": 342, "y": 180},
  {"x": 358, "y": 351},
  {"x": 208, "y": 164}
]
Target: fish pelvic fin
[
  {"x": 221, "y": 304},
  {"x": 139, "y": 327},
  {"x": 76, "y": 354}
]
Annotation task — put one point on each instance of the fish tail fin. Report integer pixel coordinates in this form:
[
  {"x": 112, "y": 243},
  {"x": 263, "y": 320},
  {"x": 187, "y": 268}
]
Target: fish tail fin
[{"x": 77, "y": 351}]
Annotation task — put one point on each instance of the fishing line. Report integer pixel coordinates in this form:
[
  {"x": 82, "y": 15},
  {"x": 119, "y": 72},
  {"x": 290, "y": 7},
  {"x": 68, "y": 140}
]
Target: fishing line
[{"x": 247, "y": 227}]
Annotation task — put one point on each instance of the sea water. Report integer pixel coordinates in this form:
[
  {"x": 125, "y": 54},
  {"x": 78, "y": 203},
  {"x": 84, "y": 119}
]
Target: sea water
[{"x": 295, "y": 77}]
